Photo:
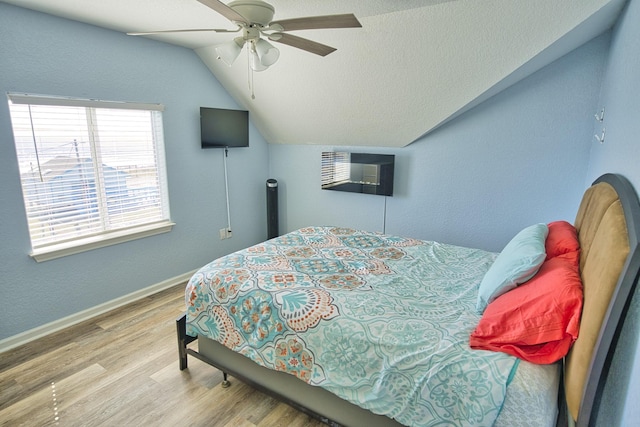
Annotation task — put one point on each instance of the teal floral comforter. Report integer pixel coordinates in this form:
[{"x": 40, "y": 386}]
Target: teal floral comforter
[{"x": 379, "y": 320}]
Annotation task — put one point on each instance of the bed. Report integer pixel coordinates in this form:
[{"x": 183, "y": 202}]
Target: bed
[{"x": 358, "y": 328}]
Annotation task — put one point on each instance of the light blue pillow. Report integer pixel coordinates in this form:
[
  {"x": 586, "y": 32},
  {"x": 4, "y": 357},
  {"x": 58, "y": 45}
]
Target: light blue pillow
[{"x": 518, "y": 262}]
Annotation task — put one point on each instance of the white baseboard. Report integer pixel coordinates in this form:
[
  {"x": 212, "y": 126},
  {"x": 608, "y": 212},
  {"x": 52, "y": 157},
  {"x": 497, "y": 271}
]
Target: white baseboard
[{"x": 65, "y": 322}]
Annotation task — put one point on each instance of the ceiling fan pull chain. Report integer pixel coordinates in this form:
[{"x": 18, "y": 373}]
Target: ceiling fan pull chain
[
  {"x": 250, "y": 74},
  {"x": 248, "y": 71},
  {"x": 253, "y": 95}
]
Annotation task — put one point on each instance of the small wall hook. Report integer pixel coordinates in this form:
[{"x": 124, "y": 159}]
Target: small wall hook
[
  {"x": 600, "y": 137},
  {"x": 600, "y": 116}
]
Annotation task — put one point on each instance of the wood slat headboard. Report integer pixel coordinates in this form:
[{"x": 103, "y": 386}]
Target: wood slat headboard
[{"x": 608, "y": 222}]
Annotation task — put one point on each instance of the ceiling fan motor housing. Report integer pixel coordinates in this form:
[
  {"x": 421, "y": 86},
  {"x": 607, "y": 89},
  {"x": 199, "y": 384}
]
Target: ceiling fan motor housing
[{"x": 255, "y": 11}]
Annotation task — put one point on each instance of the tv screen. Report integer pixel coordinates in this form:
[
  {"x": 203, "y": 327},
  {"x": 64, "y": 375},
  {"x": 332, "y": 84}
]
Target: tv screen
[
  {"x": 221, "y": 128},
  {"x": 365, "y": 173}
]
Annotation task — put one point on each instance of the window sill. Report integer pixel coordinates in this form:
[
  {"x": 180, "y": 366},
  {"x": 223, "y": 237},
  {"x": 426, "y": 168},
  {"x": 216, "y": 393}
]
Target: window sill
[{"x": 101, "y": 241}]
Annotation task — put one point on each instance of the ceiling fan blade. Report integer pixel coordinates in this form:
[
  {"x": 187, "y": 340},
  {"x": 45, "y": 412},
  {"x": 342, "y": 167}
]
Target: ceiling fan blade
[
  {"x": 316, "y": 22},
  {"x": 224, "y": 10},
  {"x": 217, "y": 30},
  {"x": 301, "y": 43}
]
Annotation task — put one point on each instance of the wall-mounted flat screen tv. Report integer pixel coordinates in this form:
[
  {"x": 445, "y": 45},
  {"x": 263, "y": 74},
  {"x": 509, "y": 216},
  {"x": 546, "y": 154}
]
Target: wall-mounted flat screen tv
[
  {"x": 221, "y": 128},
  {"x": 358, "y": 172}
]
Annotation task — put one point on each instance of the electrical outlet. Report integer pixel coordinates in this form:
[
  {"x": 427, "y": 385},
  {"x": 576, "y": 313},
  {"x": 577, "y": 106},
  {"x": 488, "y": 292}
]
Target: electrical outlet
[{"x": 225, "y": 233}]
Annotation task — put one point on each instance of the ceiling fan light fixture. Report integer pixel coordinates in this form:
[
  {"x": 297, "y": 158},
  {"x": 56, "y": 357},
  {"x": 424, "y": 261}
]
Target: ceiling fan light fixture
[
  {"x": 254, "y": 61},
  {"x": 229, "y": 51},
  {"x": 267, "y": 53}
]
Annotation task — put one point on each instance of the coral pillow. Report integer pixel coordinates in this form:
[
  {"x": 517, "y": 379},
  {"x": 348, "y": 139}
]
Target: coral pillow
[
  {"x": 562, "y": 240},
  {"x": 537, "y": 321}
]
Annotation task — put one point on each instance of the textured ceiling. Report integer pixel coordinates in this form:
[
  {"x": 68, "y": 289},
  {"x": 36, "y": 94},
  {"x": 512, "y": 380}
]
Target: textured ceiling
[{"x": 412, "y": 66}]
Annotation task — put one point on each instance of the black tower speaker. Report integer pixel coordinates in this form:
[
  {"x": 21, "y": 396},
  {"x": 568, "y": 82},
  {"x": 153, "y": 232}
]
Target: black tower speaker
[{"x": 272, "y": 208}]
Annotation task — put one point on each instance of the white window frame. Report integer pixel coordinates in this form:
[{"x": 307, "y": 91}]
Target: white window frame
[{"x": 106, "y": 235}]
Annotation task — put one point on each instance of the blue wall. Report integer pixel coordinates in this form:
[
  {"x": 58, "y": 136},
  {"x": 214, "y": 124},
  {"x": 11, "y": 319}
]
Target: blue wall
[{"x": 46, "y": 55}]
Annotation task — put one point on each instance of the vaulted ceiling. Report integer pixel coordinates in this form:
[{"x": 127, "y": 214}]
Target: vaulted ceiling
[{"x": 413, "y": 65}]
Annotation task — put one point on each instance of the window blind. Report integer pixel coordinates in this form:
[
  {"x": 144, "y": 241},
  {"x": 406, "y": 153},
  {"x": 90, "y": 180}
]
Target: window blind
[{"x": 88, "y": 168}]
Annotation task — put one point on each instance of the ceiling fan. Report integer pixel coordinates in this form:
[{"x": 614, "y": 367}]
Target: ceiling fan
[{"x": 254, "y": 19}]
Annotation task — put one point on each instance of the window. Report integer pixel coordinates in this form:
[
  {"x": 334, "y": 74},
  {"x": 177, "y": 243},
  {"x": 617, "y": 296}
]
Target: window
[{"x": 92, "y": 172}]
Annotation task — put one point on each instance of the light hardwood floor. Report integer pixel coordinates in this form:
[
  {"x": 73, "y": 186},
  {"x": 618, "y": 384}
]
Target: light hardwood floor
[{"x": 121, "y": 369}]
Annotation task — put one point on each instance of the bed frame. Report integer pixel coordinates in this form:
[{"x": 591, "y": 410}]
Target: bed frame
[{"x": 608, "y": 225}]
